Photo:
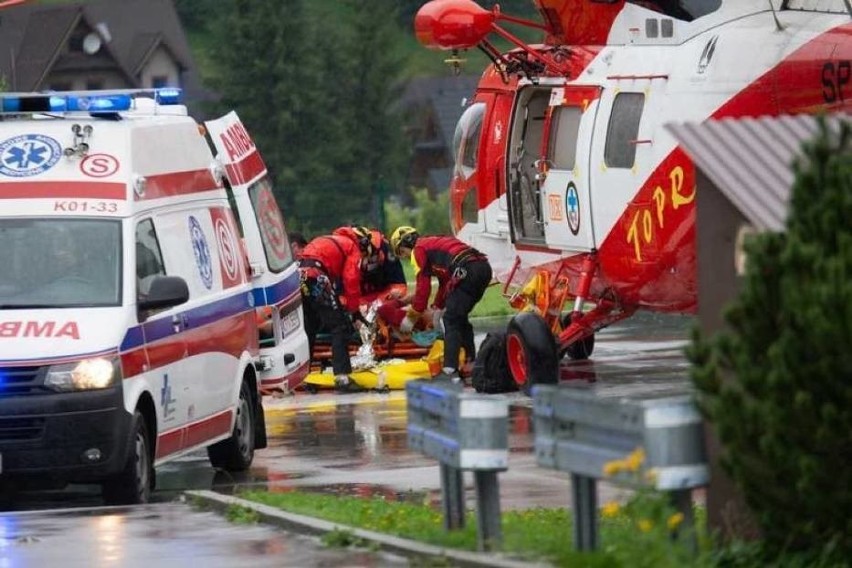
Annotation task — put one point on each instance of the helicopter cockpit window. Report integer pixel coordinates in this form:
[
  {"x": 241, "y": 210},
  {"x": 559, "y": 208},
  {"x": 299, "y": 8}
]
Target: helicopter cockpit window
[
  {"x": 562, "y": 146},
  {"x": 620, "y": 151},
  {"x": 466, "y": 138}
]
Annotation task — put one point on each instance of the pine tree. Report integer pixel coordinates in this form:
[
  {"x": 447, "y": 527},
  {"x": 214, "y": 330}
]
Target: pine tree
[
  {"x": 316, "y": 85},
  {"x": 776, "y": 386},
  {"x": 270, "y": 73}
]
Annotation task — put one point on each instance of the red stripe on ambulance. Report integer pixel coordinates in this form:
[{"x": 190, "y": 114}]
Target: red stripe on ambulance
[
  {"x": 62, "y": 190},
  {"x": 229, "y": 335},
  {"x": 194, "y": 434},
  {"x": 178, "y": 183}
]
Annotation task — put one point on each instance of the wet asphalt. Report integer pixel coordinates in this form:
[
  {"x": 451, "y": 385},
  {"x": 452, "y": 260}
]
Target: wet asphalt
[{"x": 352, "y": 444}]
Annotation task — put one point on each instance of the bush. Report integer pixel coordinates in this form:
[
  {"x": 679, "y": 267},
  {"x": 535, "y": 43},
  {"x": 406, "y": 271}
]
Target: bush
[
  {"x": 776, "y": 384},
  {"x": 429, "y": 216}
]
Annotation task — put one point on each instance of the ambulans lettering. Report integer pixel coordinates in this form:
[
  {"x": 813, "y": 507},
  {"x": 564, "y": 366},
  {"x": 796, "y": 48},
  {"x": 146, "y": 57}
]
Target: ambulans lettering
[
  {"x": 237, "y": 141},
  {"x": 39, "y": 329},
  {"x": 99, "y": 165},
  {"x": 28, "y": 155}
]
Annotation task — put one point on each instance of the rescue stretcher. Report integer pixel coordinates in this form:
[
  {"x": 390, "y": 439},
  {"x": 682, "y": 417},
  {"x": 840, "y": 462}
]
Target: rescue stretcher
[{"x": 382, "y": 359}]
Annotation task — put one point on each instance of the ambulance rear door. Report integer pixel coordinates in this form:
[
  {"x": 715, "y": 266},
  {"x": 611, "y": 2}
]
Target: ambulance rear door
[{"x": 275, "y": 277}]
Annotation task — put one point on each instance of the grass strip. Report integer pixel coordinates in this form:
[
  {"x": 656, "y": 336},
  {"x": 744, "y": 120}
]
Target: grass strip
[{"x": 532, "y": 534}]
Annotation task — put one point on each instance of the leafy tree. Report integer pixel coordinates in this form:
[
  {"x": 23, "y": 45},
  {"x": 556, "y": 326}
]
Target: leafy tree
[
  {"x": 430, "y": 216},
  {"x": 270, "y": 73},
  {"x": 368, "y": 100},
  {"x": 316, "y": 85},
  {"x": 195, "y": 14},
  {"x": 776, "y": 384}
]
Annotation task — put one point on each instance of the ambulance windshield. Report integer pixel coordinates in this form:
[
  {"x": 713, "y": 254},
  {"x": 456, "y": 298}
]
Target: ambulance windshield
[{"x": 59, "y": 263}]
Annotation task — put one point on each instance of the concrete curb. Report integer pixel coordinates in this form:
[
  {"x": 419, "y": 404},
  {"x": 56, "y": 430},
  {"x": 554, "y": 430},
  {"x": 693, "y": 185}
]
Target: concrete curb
[{"x": 313, "y": 526}]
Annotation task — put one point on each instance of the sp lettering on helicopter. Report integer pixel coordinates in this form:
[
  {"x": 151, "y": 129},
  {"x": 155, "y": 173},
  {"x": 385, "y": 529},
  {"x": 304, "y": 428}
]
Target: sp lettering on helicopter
[{"x": 574, "y": 176}]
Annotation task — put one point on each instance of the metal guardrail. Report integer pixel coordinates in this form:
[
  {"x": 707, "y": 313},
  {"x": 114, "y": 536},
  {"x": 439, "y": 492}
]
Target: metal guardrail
[
  {"x": 464, "y": 432},
  {"x": 579, "y": 432}
]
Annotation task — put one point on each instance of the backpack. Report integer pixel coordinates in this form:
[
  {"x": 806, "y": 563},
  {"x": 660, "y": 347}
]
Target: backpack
[{"x": 491, "y": 368}]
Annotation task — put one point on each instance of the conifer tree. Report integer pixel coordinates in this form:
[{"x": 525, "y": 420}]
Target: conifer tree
[{"x": 777, "y": 385}]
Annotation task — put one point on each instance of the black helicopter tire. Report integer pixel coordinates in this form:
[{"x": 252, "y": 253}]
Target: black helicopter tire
[
  {"x": 531, "y": 351},
  {"x": 579, "y": 350}
]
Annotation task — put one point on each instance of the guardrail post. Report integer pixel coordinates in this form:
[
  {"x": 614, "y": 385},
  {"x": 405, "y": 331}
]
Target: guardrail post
[
  {"x": 452, "y": 497},
  {"x": 579, "y": 432},
  {"x": 464, "y": 432},
  {"x": 488, "y": 515},
  {"x": 584, "y": 496}
]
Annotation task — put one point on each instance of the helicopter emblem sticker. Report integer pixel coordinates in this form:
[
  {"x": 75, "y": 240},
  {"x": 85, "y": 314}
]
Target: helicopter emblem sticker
[{"x": 572, "y": 206}]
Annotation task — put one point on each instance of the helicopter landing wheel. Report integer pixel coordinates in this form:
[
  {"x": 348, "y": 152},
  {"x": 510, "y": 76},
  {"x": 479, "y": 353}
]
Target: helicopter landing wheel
[
  {"x": 579, "y": 350},
  {"x": 531, "y": 350}
]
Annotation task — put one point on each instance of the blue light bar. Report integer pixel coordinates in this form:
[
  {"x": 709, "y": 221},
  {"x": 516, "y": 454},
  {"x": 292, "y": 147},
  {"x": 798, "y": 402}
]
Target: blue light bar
[
  {"x": 108, "y": 102},
  {"x": 65, "y": 103}
]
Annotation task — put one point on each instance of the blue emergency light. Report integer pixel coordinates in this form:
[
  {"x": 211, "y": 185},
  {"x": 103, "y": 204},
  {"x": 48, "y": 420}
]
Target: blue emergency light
[
  {"x": 168, "y": 96},
  {"x": 87, "y": 101}
]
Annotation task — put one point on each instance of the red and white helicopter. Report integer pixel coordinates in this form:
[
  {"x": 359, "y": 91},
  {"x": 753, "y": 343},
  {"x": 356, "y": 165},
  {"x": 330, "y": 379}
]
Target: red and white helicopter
[{"x": 565, "y": 175}]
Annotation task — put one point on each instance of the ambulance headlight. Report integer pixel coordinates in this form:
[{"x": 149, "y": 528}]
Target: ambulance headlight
[{"x": 88, "y": 374}]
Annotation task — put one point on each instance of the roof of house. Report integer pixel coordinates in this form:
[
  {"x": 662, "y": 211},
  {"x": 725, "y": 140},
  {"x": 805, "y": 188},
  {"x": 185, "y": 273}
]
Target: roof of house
[
  {"x": 32, "y": 35},
  {"x": 445, "y": 96},
  {"x": 751, "y": 160}
]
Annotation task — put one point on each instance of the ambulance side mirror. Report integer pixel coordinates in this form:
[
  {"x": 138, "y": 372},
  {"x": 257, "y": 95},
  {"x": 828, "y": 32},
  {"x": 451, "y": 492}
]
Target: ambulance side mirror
[{"x": 165, "y": 292}]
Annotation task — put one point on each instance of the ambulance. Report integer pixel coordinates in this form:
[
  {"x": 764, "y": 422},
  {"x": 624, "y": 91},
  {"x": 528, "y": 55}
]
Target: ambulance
[{"x": 148, "y": 296}]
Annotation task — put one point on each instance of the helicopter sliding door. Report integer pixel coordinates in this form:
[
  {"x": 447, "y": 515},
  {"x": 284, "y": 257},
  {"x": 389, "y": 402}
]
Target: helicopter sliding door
[
  {"x": 524, "y": 146},
  {"x": 564, "y": 168}
]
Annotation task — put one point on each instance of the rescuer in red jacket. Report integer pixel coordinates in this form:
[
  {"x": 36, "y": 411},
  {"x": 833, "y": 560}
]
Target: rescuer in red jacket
[
  {"x": 382, "y": 276},
  {"x": 330, "y": 275},
  {"x": 463, "y": 274}
]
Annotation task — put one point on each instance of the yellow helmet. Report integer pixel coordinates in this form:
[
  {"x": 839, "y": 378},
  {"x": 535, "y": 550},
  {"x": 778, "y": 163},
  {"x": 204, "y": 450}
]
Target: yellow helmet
[{"x": 404, "y": 236}]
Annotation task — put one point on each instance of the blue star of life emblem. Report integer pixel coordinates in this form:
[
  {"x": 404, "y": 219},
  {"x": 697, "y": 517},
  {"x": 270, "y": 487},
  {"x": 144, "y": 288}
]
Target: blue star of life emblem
[
  {"x": 28, "y": 155},
  {"x": 201, "y": 251},
  {"x": 572, "y": 204}
]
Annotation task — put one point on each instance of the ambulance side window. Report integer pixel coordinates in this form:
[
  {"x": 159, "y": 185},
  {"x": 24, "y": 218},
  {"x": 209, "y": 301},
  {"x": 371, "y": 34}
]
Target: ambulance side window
[{"x": 149, "y": 260}]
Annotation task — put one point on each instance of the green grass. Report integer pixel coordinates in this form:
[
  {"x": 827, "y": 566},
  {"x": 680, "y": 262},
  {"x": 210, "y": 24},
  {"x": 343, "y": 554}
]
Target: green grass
[
  {"x": 532, "y": 534},
  {"x": 492, "y": 303},
  {"x": 241, "y": 515}
]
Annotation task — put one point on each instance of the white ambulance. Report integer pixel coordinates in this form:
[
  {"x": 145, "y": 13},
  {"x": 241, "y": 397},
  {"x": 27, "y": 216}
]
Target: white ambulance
[{"x": 147, "y": 291}]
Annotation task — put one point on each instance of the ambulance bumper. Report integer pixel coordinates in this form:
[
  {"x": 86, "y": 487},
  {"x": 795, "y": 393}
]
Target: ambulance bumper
[{"x": 68, "y": 437}]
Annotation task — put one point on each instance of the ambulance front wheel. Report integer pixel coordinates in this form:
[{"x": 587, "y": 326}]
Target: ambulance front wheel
[
  {"x": 132, "y": 485},
  {"x": 531, "y": 351},
  {"x": 237, "y": 452}
]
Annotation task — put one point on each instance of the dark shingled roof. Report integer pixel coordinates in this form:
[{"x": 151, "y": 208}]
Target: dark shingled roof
[
  {"x": 445, "y": 96},
  {"x": 32, "y": 35}
]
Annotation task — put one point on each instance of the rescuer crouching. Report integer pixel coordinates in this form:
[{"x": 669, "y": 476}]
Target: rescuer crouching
[{"x": 463, "y": 275}]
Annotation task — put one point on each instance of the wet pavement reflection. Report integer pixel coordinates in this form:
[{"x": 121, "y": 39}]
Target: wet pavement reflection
[
  {"x": 352, "y": 444},
  {"x": 163, "y": 535}
]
